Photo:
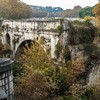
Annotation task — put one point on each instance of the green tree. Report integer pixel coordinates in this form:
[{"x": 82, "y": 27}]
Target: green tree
[{"x": 87, "y": 11}]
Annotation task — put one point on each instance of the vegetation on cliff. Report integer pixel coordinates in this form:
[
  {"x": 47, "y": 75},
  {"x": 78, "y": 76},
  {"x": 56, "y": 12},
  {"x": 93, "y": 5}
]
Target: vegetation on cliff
[
  {"x": 40, "y": 78},
  {"x": 37, "y": 77},
  {"x": 96, "y": 11}
]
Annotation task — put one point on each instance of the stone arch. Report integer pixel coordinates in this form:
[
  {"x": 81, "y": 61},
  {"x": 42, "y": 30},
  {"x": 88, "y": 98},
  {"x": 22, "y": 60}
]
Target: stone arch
[
  {"x": 20, "y": 49},
  {"x": 8, "y": 38}
]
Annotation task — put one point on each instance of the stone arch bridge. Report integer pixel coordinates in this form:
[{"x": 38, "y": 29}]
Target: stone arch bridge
[{"x": 16, "y": 33}]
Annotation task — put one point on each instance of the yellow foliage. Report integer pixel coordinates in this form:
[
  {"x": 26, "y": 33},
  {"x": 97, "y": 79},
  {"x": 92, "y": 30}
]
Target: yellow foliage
[
  {"x": 31, "y": 84},
  {"x": 88, "y": 18},
  {"x": 96, "y": 11},
  {"x": 97, "y": 19},
  {"x": 35, "y": 57},
  {"x": 42, "y": 40},
  {"x": 78, "y": 67}
]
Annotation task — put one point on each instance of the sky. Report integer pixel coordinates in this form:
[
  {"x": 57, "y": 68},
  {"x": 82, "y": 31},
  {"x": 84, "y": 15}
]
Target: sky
[{"x": 65, "y": 4}]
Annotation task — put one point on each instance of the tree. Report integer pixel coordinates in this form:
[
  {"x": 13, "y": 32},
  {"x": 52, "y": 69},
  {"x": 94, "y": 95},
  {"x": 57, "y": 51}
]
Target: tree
[
  {"x": 72, "y": 12},
  {"x": 40, "y": 78},
  {"x": 87, "y": 11},
  {"x": 14, "y": 9},
  {"x": 38, "y": 13},
  {"x": 30, "y": 74},
  {"x": 96, "y": 11}
]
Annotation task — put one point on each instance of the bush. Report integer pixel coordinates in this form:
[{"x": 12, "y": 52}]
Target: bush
[
  {"x": 81, "y": 23},
  {"x": 40, "y": 79},
  {"x": 58, "y": 49},
  {"x": 42, "y": 40},
  {"x": 60, "y": 29},
  {"x": 59, "y": 79},
  {"x": 89, "y": 93}
]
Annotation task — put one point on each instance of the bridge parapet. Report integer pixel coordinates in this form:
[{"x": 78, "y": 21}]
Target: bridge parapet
[{"x": 32, "y": 25}]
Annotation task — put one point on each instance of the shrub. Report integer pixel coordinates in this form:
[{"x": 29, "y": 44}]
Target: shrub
[
  {"x": 58, "y": 49},
  {"x": 60, "y": 29},
  {"x": 42, "y": 40}
]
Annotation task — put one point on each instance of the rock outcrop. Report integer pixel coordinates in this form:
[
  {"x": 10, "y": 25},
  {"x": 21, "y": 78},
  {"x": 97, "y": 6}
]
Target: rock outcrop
[{"x": 76, "y": 44}]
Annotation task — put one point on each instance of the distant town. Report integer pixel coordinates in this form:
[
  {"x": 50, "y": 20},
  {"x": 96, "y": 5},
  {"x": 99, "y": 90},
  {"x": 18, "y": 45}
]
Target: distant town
[{"x": 49, "y": 11}]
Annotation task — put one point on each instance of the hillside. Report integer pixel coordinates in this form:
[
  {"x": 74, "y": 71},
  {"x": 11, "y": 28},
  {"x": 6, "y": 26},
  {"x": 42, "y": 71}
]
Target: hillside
[
  {"x": 49, "y": 11},
  {"x": 72, "y": 13}
]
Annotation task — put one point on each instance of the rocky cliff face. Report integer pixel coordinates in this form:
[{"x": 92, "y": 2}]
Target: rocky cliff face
[
  {"x": 77, "y": 44},
  {"x": 95, "y": 75}
]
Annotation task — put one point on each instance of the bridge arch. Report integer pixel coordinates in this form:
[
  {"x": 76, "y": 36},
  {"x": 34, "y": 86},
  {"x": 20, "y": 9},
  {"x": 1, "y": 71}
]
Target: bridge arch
[
  {"x": 7, "y": 39},
  {"x": 22, "y": 45}
]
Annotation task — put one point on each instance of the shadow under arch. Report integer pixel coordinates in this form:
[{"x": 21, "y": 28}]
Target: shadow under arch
[
  {"x": 6, "y": 53},
  {"x": 21, "y": 47},
  {"x": 7, "y": 39}
]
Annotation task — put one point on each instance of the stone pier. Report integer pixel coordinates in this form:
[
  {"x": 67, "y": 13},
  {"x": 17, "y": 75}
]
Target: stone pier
[{"x": 6, "y": 79}]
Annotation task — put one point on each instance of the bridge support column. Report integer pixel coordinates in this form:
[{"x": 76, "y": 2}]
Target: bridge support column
[
  {"x": 6, "y": 79},
  {"x": 54, "y": 40}
]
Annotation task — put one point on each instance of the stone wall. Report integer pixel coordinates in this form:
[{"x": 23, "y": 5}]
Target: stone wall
[
  {"x": 77, "y": 52},
  {"x": 33, "y": 25},
  {"x": 6, "y": 79}
]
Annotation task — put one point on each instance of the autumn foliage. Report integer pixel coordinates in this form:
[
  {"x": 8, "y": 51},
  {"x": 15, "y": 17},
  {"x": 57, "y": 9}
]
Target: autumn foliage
[{"x": 96, "y": 11}]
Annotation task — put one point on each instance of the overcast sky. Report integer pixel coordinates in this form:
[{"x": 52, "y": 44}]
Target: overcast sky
[{"x": 65, "y": 4}]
